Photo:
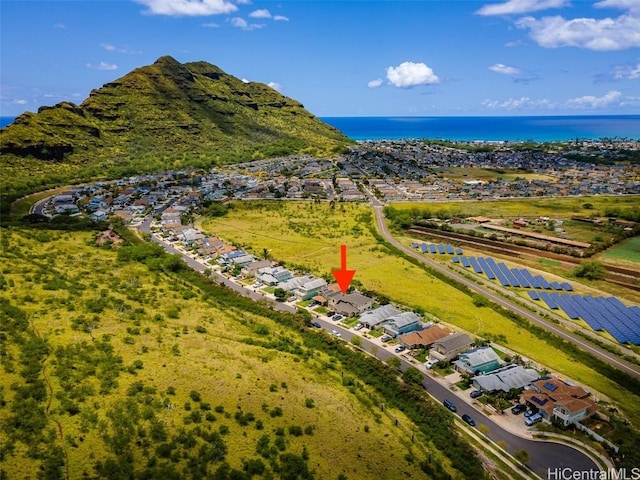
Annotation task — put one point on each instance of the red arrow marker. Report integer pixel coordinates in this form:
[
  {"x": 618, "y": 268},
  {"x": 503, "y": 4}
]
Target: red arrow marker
[{"x": 343, "y": 276}]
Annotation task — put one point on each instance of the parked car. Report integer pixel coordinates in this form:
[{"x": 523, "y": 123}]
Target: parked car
[
  {"x": 316, "y": 324},
  {"x": 476, "y": 394},
  {"x": 469, "y": 419},
  {"x": 430, "y": 363},
  {"x": 450, "y": 405},
  {"x": 400, "y": 348},
  {"x": 358, "y": 326},
  {"x": 330, "y": 314},
  {"x": 337, "y": 317},
  {"x": 530, "y": 412},
  {"x": 518, "y": 409},
  {"x": 336, "y": 333},
  {"x": 385, "y": 338},
  {"x": 535, "y": 418}
]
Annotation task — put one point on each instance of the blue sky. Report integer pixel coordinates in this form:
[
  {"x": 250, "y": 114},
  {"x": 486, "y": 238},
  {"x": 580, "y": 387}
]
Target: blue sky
[{"x": 340, "y": 58}]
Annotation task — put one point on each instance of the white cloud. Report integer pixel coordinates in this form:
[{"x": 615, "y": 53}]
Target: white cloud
[
  {"x": 515, "y": 7},
  {"x": 375, "y": 83},
  {"x": 521, "y": 103},
  {"x": 210, "y": 25},
  {"x": 243, "y": 2},
  {"x": 410, "y": 74},
  {"x": 244, "y": 80},
  {"x": 603, "y": 35},
  {"x": 243, "y": 24},
  {"x": 275, "y": 86},
  {"x": 19, "y": 101},
  {"x": 261, "y": 13},
  {"x": 61, "y": 26},
  {"x": 103, "y": 66},
  {"x": 632, "y": 5},
  {"x": 591, "y": 101},
  {"x": 504, "y": 69},
  {"x": 280, "y": 18},
  {"x": 626, "y": 72},
  {"x": 112, "y": 48},
  {"x": 190, "y": 8}
]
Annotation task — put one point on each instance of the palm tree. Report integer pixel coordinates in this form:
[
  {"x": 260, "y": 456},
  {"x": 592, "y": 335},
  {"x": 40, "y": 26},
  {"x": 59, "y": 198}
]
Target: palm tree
[{"x": 265, "y": 253}]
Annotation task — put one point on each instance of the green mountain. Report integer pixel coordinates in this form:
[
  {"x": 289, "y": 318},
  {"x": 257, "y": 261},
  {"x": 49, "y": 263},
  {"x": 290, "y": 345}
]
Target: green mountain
[{"x": 165, "y": 115}]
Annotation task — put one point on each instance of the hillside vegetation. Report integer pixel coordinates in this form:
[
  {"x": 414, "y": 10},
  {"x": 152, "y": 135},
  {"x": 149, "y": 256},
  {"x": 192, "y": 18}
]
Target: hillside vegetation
[
  {"x": 158, "y": 117},
  {"x": 124, "y": 364}
]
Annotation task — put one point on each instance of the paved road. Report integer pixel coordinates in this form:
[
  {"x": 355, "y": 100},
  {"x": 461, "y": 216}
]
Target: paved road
[
  {"x": 543, "y": 455},
  {"x": 610, "y": 358}
]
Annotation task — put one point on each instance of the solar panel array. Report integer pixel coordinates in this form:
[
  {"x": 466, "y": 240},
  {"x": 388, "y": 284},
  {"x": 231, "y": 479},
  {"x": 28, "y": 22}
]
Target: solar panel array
[
  {"x": 509, "y": 277},
  {"x": 437, "y": 248},
  {"x": 600, "y": 313}
]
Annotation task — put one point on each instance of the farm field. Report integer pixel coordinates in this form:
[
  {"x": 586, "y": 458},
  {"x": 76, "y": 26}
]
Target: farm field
[
  {"x": 626, "y": 253},
  {"x": 113, "y": 369},
  {"x": 308, "y": 235},
  {"x": 549, "y": 207}
]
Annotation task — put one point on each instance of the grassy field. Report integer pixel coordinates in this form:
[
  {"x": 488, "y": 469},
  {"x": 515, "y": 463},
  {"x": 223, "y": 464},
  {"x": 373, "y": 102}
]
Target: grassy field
[
  {"x": 548, "y": 207},
  {"x": 310, "y": 234},
  {"x": 626, "y": 252},
  {"x": 137, "y": 370}
]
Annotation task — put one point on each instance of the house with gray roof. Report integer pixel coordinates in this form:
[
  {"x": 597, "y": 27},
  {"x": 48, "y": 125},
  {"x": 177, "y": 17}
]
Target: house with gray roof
[
  {"x": 294, "y": 283},
  {"x": 449, "y": 347},
  {"x": 310, "y": 289},
  {"x": 252, "y": 268},
  {"x": 478, "y": 360},
  {"x": 350, "y": 304},
  {"x": 505, "y": 378},
  {"x": 404, "y": 322},
  {"x": 372, "y": 319},
  {"x": 274, "y": 275}
]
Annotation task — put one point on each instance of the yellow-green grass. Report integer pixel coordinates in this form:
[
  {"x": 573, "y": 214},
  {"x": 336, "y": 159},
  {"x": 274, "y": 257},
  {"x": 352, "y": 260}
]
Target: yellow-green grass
[
  {"x": 534, "y": 207},
  {"x": 217, "y": 363},
  {"x": 401, "y": 281}
]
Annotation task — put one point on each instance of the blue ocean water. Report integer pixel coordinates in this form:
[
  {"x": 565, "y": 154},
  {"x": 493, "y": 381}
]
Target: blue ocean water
[{"x": 537, "y": 129}]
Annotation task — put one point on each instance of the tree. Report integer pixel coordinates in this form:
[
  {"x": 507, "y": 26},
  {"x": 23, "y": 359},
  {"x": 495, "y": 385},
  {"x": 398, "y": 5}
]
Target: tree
[
  {"x": 356, "y": 341},
  {"x": 522, "y": 456},
  {"x": 412, "y": 375},
  {"x": 394, "y": 362},
  {"x": 590, "y": 271},
  {"x": 280, "y": 294}
]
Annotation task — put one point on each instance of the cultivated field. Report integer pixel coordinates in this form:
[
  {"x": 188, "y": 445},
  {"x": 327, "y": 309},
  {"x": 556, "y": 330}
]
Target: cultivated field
[{"x": 309, "y": 235}]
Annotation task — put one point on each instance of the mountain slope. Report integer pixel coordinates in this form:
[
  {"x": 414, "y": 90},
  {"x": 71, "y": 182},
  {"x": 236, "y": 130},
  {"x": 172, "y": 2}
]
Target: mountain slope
[{"x": 160, "y": 116}]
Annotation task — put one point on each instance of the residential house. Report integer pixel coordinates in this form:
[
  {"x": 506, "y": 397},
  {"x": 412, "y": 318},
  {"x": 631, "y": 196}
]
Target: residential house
[
  {"x": 449, "y": 347},
  {"x": 423, "y": 338},
  {"x": 372, "y": 319},
  {"x": 477, "y": 361},
  {"x": 560, "y": 401},
  {"x": 294, "y": 283},
  {"x": 274, "y": 275},
  {"x": 310, "y": 289},
  {"x": 251, "y": 269},
  {"x": 505, "y": 379},
  {"x": 190, "y": 235},
  {"x": 98, "y": 216},
  {"x": 350, "y": 304},
  {"x": 404, "y": 322}
]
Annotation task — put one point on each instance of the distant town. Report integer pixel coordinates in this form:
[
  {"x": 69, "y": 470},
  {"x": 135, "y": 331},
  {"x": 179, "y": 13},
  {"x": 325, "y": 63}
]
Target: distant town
[{"x": 394, "y": 170}]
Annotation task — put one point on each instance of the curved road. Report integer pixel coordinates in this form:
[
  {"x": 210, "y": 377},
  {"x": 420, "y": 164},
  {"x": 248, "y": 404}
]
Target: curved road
[
  {"x": 543, "y": 455},
  {"x": 617, "y": 362}
]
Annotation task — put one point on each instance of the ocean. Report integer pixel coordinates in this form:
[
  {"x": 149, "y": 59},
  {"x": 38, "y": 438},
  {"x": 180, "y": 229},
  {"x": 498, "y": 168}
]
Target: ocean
[{"x": 512, "y": 129}]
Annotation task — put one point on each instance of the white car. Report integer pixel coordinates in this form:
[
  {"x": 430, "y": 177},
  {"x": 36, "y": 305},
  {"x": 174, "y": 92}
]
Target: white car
[
  {"x": 430, "y": 363},
  {"x": 336, "y": 333},
  {"x": 358, "y": 326}
]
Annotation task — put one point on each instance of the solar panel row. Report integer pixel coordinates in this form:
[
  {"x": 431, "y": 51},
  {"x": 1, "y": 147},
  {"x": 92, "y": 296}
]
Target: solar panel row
[
  {"x": 600, "y": 313},
  {"x": 511, "y": 277},
  {"x": 436, "y": 248}
]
